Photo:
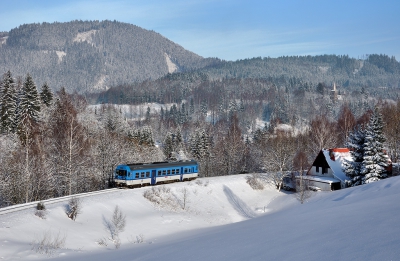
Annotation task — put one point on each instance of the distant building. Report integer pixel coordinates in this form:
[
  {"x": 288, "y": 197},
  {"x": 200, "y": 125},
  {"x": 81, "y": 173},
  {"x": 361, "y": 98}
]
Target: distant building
[{"x": 335, "y": 94}]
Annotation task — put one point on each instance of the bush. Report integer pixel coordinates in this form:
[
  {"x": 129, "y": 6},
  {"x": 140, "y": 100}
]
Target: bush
[
  {"x": 48, "y": 243},
  {"x": 255, "y": 181},
  {"x": 40, "y": 206},
  {"x": 41, "y": 214},
  {"x": 40, "y": 210},
  {"x": 162, "y": 197},
  {"x": 115, "y": 226},
  {"x": 102, "y": 242},
  {"x": 138, "y": 240},
  {"x": 74, "y": 208}
]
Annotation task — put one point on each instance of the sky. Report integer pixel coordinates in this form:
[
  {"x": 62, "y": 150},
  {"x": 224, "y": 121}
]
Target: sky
[{"x": 237, "y": 29}]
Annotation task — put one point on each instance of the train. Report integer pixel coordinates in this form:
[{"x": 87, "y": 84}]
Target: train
[{"x": 143, "y": 174}]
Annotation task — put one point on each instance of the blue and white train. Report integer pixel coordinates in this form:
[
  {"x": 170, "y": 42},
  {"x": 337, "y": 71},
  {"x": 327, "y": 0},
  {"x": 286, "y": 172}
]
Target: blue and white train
[{"x": 142, "y": 174}]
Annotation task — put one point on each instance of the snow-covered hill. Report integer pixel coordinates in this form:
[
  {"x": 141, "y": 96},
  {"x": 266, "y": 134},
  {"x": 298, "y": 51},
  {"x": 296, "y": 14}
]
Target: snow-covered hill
[{"x": 353, "y": 224}]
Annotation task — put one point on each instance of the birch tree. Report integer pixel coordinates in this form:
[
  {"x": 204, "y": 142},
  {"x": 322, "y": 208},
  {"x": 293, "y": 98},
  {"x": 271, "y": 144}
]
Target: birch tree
[{"x": 279, "y": 157}]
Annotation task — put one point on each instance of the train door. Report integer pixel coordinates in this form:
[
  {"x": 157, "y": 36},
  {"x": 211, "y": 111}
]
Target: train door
[
  {"x": 181, "y": 174},
  {"x": 153, "y": 176}
]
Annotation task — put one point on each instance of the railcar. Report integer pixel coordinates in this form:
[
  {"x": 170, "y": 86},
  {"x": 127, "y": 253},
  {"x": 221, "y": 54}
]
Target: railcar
[{"x": 142, "y": 174}]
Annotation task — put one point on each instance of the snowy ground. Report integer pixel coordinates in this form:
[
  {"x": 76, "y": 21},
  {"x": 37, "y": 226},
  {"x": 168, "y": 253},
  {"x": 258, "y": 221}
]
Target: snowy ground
[
  {"x": 211, "y": 202},
  {"x": 352, "y": 224}
]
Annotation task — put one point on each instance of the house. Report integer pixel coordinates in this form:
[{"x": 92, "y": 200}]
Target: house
[{"x": 326, "y": 172}]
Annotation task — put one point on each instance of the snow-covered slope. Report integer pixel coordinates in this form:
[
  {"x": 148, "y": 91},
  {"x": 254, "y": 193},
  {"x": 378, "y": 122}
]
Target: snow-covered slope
[
  {"x": 352, "y": 224},
  {"x": 210, "y": 202}
]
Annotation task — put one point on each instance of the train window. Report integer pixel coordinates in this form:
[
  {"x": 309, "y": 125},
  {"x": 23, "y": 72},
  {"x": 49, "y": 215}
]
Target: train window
[
  {"x": 142, "y": 175},
  {"x": 169, "y": 172},
  {"x": 137, "y": 175},
  {"x": 177, "y": 171},
  {"x": 147, "y": 174},
  {"x": 159, "y": 173},
  {"x": 173, "y": 172},
  {"x": 121, "y": 172},
  {"x": 164, "y": 172}
]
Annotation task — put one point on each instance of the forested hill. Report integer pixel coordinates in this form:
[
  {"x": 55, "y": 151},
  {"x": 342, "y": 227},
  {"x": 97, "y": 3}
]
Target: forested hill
[
  {"x": 373, "y": 71},
  {"x": 92, "y": 55}
]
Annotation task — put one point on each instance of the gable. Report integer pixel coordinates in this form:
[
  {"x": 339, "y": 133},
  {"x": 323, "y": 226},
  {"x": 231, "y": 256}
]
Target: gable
[{"x": 320, "y": 161}]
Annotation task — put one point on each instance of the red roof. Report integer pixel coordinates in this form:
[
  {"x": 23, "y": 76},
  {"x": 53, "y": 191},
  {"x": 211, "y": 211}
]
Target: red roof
[{"x": 343, "y": 150}]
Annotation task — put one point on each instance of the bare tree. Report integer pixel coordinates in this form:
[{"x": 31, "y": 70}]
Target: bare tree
[
  {"x": 185, "y": 197},
  {"x": 279, "y": 157},
  {"x": 391, "y": 117},
  {"x": 302, "y": 189},
  {"x": 69, "y": 145},
  {"x": 346, "y": 123},
  {"x": 322, "y": 134}
]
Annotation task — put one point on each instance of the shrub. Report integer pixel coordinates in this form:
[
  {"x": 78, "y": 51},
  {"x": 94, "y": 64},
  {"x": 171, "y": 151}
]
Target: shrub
[
  {"x": 48, "y": 243},
  {"x": 102, "y": 242},
  {"x": 40, "y": 206},
  {"x": 40, "y": 210},
  {"x": 115, "y": 226},
  {"x": 255, "y": 181},
  {"x": 162, "y": 197},
  {"x": 138, "y": 240},
  {"x": 74, "y": 208}
]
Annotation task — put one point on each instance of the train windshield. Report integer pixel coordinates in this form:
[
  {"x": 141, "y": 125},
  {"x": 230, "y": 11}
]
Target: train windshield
[{"x": 121, "y": 172}]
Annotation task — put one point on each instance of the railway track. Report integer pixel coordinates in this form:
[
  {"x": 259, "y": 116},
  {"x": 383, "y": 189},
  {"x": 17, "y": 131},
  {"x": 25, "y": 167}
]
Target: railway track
[{"x": 30, "y": 205}]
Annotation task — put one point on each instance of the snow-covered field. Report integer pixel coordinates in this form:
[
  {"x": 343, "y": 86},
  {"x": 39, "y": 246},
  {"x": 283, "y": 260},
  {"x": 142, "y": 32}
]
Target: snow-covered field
[{"x": 223, "y": 219}]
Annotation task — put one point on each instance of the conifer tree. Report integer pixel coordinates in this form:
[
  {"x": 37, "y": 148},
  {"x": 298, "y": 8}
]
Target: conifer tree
[
  {"x": 147, "y": 136},
  {"x": 200, "y": 145},
  {"x": 162, "y": 114},
  {"x": 355, "y": 143},
  {"x": 375, "y": 160},
  {"x": 46, "y": 95},
  {"x": 168, "y": 146},
  {"x": 147, "y": 114},
  {"x": 8, "y": 104},
  {"x": 29, "y": 106}
]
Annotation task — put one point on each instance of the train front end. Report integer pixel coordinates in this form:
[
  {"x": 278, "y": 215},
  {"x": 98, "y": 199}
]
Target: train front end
[{"x": 120, "y": 175}]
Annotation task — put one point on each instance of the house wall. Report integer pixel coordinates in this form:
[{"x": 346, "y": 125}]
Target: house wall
[
  {"x": 313, "y": 172},
  {"x": 322, "y": 185}
]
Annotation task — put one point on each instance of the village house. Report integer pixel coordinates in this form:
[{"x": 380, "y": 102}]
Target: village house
[{"x": 326, "y": 172}]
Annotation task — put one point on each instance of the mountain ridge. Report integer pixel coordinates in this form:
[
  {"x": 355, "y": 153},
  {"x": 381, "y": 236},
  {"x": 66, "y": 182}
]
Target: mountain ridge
[{"x": 87, "y": 56}]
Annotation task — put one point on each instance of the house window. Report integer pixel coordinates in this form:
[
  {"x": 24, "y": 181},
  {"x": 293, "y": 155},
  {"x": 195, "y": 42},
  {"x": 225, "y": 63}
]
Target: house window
[
  {"x": 317, "y": 169},
  {"x": 324, "y": 170}
]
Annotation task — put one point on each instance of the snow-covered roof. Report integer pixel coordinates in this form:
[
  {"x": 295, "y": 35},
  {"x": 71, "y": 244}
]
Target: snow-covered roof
[{"x": 335, "y": 159}]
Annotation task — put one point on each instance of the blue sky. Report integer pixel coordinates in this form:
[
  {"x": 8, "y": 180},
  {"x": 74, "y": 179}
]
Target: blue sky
[{"x": 233, "y": 29}]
